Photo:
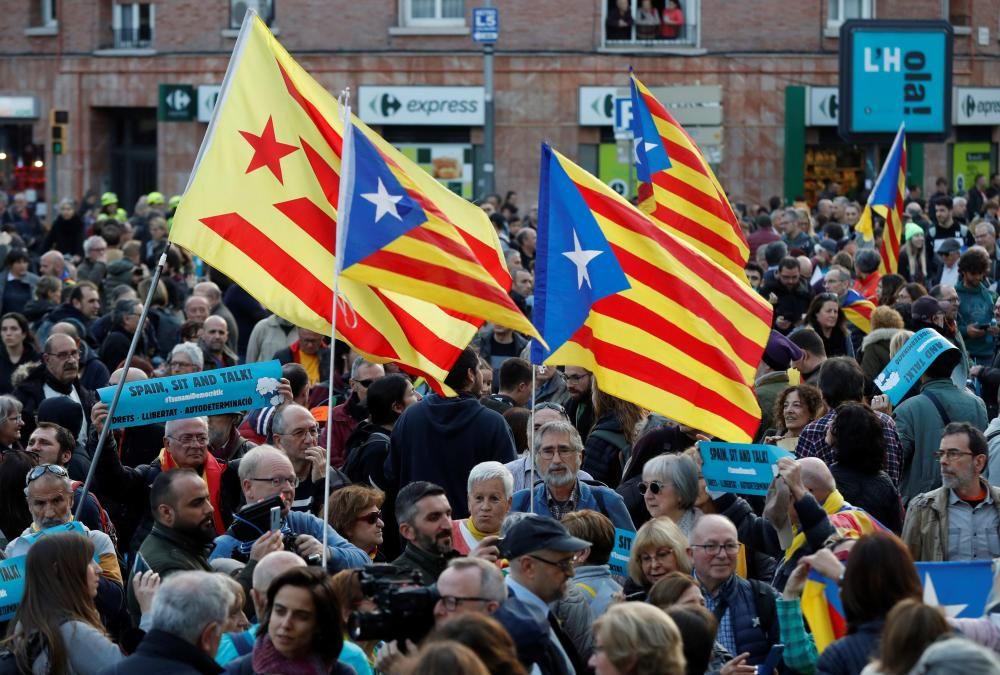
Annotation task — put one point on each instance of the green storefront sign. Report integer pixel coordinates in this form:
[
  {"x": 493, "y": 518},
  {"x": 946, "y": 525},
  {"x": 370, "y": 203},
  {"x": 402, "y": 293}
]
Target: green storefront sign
[
  {"x": 968, "y": 160},
  {"x": 177, "y": 103}
]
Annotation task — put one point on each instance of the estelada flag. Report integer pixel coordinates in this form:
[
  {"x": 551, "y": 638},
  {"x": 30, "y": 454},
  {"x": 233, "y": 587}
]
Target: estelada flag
[
  {"x": 658, "y": 323},
  {"x": 822, "y": 610},
  {"x": 886, "y": 199},
  {"x": 261, "y": 206},
  {"x": 858, "y": 310}
]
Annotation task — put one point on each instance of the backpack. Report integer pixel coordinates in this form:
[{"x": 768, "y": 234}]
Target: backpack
[
  {"x": 616, "y": 439},
  {"x": 107, "y": 527},
  {"x": 353, "y": 463}
]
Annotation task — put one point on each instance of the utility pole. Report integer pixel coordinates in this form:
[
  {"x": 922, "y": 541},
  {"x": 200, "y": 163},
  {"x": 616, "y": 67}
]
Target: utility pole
[{"x": 486, "y": 29}]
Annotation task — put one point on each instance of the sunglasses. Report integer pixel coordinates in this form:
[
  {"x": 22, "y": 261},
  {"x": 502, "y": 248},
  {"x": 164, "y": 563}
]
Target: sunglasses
[
  {"x": 656, "y": 487},
  {"x": 42, "y": 469},
  {"x": 371, "y": 518},
  {"x": 364, "y": 383}
]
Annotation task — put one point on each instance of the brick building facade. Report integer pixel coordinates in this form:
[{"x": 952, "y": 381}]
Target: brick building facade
[{"x": 103, "y": 62}]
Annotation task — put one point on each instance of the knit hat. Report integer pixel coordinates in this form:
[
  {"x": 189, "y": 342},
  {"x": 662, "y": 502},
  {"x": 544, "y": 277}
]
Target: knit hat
[
  {"x": 64, "y": 411},
  {"x": 925, "y": 308},
  {"x": 911, "y": 230},
  {"x": 780, "y": 352}
]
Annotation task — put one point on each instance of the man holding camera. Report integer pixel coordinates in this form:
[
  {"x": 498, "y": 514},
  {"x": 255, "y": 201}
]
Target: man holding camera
[{"x": 265, "y": 472}]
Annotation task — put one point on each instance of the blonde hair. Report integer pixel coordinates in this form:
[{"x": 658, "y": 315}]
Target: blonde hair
[
  {"x": 886, "y": 317},
  {"x": 658, "y": 533},
  {"x": 898, "y": 340},
  {"x": 640, "y": 638}
]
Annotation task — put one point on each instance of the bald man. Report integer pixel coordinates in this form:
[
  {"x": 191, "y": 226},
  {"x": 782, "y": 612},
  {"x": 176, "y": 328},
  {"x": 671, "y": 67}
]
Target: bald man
[
  {"x": 211, "y": 292},
  {"x": 214, "y": 344}
]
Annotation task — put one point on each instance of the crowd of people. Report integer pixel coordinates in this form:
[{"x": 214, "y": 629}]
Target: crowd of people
[{"x": 482, "y": 531}]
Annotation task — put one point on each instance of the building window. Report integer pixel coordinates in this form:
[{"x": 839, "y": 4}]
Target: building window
[
  {"x": 238, "y": 9},
  {"x": 46, "y": 13},
  {"x": 839, "y": 11},
  {"x": 960, "y": 13},
  {"x": 132, "y": 24},
  {"x": 433, "y": 12},
  {"x": 651, "y": 22}
]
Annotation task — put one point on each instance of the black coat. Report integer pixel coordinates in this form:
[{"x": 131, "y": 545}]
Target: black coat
[
  {"x": 602, "y": 458},
  {"x": 873, "y": 493},
  {"x": 31, "y": 392},
  {"x": 162, "y": 653}
]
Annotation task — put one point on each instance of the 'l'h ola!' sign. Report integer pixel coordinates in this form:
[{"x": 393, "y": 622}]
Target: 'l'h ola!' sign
[{"x": 211, "y": 392}]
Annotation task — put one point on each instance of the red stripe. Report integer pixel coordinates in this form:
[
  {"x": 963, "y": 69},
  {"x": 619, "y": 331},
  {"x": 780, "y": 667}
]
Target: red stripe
[
  {"x": 698, "y": 266},
  {"x": 445, "y": 244},
  {"x": 292, "y": 275},
  {"x": 327, "y": 177},
  {"x": 439, "y": 352},
  {"x": 313, "y": 220},
  {"x": 714, "y": 205},
  {"x": 325, "y": 129},
  {"x": 641, "y": 367},
  {"x": 703, "y": 235}
]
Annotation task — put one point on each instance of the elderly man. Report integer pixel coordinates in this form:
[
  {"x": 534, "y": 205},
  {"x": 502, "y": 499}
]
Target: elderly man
[
  {"x": 185, "y": 446},
  {"x": 345, "y": 417},
  {"x": 54, "y": 264},
  {"x": 469, "y": 586},
  {"x": 213, "y": 343},
  {"x": 521, "y": 469},
  {"x": 558, "y": 451},
  {"x": 838, "y": 281},
  {"x": 93, "y": 372},
  {"x": 213, "y": 294},
  {"x": 265, "y": 472},
  {"x": 94, "y": 267},
  {"x": 309, "y": 352},
  {"x": 296, "y": 433},
  {"x": 961, "y": 519},
  {"x": 188, "y": 616},
  {"x": 57, "y": 375},
  {"x": 196, "y": 308}
]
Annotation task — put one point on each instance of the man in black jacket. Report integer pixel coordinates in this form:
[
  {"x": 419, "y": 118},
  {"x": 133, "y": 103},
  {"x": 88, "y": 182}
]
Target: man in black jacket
[{"x": 789, "y": 293}]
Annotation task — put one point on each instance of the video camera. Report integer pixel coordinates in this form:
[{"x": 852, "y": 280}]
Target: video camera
[
  {"x": 254, "y": 521},
  {"x": 405, "y": 610}
]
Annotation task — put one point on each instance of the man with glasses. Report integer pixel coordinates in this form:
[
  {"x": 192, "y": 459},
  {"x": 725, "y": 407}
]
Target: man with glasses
[
  {"x": 296, "y": 432},
  {"x": 837, "y": 281},
  {"x": 558, "y": 451},
  {"x": 961, "y": 519},
  {"x": 521, "y": 468},
  {"x": 469, "y": 585},
  {"x": 345, "y": 417},
  {"x": 746, "y": 611},
  {"x": 580, "y": 406},
  {"x": 58, "y": 375},
  {"x": 265, "y": 472}
]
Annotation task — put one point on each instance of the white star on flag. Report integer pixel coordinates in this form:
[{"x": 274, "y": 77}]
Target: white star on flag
[
  {"x": 635, "y": 148},
  {"x": 931, "y": 598},
  {"x": 384, "y": 202},
  {"x": 581, "y": 259}
]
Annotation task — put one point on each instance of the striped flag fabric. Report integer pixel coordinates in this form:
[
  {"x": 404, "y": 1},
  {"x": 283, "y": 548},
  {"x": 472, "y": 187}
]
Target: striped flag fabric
[
  {"x": 658, "y": 323},
  {"x": 261, "y": 207},
  {"x": 822, "y": 610},
  {"x": 858, "y": 310},
  {"x": 678, "y": 189},
  {"x": 886, "y": 199}
]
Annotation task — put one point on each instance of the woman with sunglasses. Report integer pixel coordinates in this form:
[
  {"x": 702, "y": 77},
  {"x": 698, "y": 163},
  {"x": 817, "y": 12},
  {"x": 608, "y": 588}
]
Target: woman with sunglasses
[
  {"x": 669, "y": 488},
  {"x": 355, "y": 512},
  {"x": 825, "y": 317},
  {"x": 490, "y": 490}
]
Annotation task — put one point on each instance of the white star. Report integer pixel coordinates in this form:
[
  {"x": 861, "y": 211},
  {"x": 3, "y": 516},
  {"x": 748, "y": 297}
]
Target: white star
[
  {"x": 930, "y": 598},
  {"x": 635, "y": 148},
  {"x": 581, "y": 259},
  {"x": 384, "y": 202}
]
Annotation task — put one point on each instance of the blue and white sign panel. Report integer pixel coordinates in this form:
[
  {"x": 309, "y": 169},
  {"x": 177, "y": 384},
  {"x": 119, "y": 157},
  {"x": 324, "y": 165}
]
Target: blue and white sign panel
[
  {"x": 212, "y": 392},
  {"x": 910, "y": 362},
  {"x": 892, "y": 72},
  {"x": 741, "y": 468},
  {"x": 485, "y": 24},
  {"x": 623, "y": 116}
]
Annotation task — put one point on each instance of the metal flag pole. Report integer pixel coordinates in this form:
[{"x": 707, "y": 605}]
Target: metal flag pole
[
  {"x": 531, "y": 444},
  {"x": 343, "y": 210},
  {"x": 102, "y": 439}
]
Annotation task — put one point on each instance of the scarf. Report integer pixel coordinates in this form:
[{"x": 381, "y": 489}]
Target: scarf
[
  {"x": 268, "y": 661},
  {"x": 474, "y": 532},
  {"x": 850, "y": 522},
  {"x": 211, "y": 473}
]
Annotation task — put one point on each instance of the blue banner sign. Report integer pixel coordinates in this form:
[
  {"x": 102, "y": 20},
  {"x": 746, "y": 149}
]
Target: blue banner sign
[
  {"x": 892, "y": 72},
  {"x": 958, "y": 588},
  {"x": 211, "y": 392},
  {"x": 621, "y": 552},
  {"x": 11, "y": 586},
  {"x": 741, "y": 468},
  {"x": 910, "y": 362}
]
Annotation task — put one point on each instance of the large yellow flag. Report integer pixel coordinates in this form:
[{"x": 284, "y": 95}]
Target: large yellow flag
[{"x": 261, "y": 207}]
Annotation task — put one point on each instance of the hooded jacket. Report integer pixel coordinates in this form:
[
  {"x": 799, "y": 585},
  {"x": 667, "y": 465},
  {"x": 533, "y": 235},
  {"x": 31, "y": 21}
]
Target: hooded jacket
[{"x": 440, "y": 439}]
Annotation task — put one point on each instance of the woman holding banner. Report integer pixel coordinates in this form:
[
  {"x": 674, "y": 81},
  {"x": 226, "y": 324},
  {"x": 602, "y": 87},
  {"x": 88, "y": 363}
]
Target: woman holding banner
[{"x": 794, "y": 408}]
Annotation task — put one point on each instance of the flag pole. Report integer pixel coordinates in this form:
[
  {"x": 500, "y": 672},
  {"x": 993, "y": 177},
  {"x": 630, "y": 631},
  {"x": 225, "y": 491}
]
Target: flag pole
[
  {"x": 102, "y": 439},
  {"x": 342, "y": 215},
  {"x": 531, "y": 444}
]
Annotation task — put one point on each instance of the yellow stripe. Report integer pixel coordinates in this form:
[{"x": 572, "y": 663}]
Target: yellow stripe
[
  {"x": 692, "y": 211},
  {"x": 864, "y": 325}
]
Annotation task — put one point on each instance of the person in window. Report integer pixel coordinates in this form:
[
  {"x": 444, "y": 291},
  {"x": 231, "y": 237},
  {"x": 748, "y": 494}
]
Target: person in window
[
  {"x": 619, "y": 21},
  {"x": 647, "y": 20},
  {"x": 673, "y": 20}
]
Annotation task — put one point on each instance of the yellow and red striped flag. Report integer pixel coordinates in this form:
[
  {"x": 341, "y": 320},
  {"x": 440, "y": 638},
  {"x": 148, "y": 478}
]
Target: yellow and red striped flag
[
  {"x": 261, "y": 206},
  {"x": 678, "y": 189},
  {"x": 659, "y": 323},
  {"x": 886, "y": 199}
]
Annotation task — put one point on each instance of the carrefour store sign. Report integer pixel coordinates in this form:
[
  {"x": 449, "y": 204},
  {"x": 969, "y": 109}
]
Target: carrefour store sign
[
  {"x": 977, "y": 105},
  {"x": 437, "y": 106},
  {"x": 895, "y": 71}
]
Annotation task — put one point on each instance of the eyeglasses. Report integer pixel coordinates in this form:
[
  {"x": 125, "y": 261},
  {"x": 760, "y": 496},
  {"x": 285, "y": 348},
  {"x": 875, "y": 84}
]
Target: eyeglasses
[
  {"x": 43, "y": 469},
  {"x": 63, "y": 356},
  {"x": 566, "y": 565},
  {"x": 713, "y": 549},
  {"x": 550, "y": 406},
  {"x": 15, "y": 419},
  {"x": 654, "y": 486},
  {"x": 364, "y": 383},
  {"x": 278, "y": 481},
  {"x": 576, "y": 378},
  {"x": 191, "y": 439},
  {"x": 951, "y": 454},
  {"x": 371, "y": 519},
  {"x": 299, "y": 433},
  {"x": 450, "y": 602},
  {"x": 549, "y": 453}
]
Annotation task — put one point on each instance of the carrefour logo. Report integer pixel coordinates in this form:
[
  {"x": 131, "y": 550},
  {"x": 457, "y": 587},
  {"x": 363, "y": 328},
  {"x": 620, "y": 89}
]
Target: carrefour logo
[
  {"x": 422, "y": 105},
  {"x": 974, "y": 108},
  {"x": 388, "y": 104}
]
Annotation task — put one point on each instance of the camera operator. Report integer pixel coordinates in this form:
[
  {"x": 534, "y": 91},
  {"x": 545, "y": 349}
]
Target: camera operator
[
  {"x": 424, "y": 517},
  {"x": 265, "y": 472}
]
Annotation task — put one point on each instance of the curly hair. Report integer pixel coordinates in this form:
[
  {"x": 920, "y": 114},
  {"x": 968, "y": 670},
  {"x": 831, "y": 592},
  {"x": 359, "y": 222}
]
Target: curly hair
[
  {"x": 858, "y": 438},
  {"x": 809, "y": 396}
]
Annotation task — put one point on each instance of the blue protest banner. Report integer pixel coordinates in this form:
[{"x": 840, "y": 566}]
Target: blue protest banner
[
  {"x": 71, "y": 526},
  {"x": 910, "y": 362},
  {"x": 621, "y": 552},
  {"x": 958, "y": 588},
  {"x": 11, "y": 586},
  {"x": 212, "y": 392},
  {"x": 743, "y": 468}
]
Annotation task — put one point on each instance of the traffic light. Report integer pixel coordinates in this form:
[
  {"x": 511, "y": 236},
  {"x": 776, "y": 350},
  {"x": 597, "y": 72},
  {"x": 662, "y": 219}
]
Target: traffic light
[{"x": 60, "y": 125}]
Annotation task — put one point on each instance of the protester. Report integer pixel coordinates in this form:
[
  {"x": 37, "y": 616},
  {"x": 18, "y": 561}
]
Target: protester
[
  {"x": 485, "y": 637},
  {"x": 355, "y": 511},
  {"x": 593, "y": 573},
  {"x": 794, "y": 408},
  {"x": 636, "y": 638},
  {"x": 658, "y": 549},
  {"x": 670, "y": 487},
  {"x": 910, "y": 627},
  {"x": 490, "y": 489}
]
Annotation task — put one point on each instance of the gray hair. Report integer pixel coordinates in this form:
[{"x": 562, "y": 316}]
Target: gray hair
[
  {"x": 65, "y": 480},
  {"x": 867, "y": 260},
  {"x": 187, "y": 602},
  {"x": 956, "y": 656},
  {"x": 956, "y": 200},
  {"x": 358, "y": 363},
  {"x": 191, "y": 351},
  {"x": 559, "y": 427},
  {"x": 491, "y": 585},
  {"x": 678, "y": 471},
  {"x": 8, "y": 403},
  {"x": 172, "y": 424},
  {"x": 490, "y": 471},
  {"x": 91, "y": 242},
  {"x": 122, "y": 309},
  {"x": 251, "y": 460},
  {"x": 278, "y": 420}
]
